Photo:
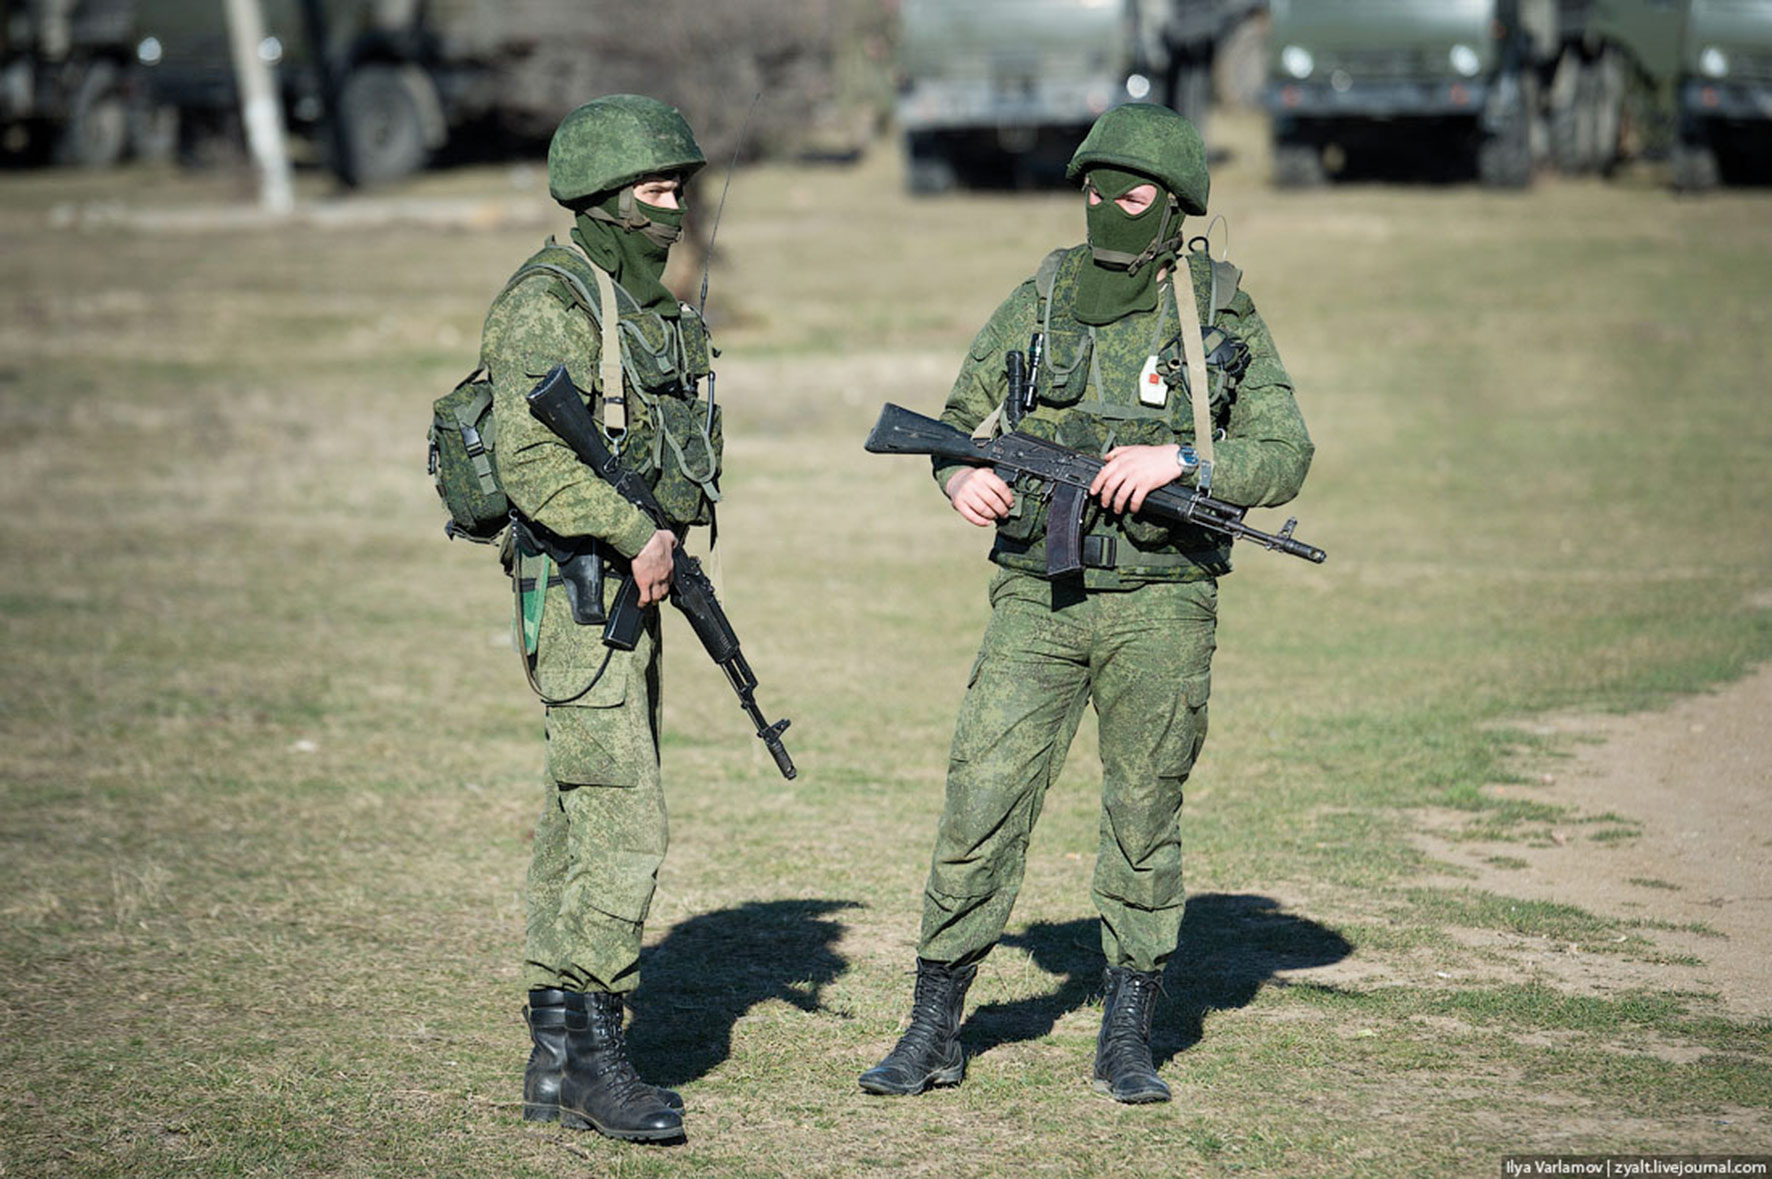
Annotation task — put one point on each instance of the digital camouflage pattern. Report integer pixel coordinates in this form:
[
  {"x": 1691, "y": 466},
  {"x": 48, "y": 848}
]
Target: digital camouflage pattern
[
  {"x": 1089, "y": 401},
  {"x": 1151, "y": 139},
  {"x": 1136, "y": 640},
  {"x": 1145, "y": 661},
  {"x": 610, "y": 142},
  {"x": 603, "y": 832}
]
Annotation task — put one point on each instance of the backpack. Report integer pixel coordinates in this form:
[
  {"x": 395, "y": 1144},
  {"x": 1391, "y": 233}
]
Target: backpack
[{"x": 461, "y": 461}]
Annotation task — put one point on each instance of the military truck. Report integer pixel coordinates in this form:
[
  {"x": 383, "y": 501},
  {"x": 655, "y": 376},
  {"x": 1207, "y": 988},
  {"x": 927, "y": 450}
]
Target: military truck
[
  {"x": 1374, "y": 77},
  {"x": 66, "y": 80},
  {"x": 1002, "y": 91},
  {"x": 1686, "y": 80},
  {"x": 380, "y": 76}
]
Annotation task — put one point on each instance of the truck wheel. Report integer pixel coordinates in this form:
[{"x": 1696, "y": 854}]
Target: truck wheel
[
  {"x": 383, "y": 126},
  {"x": 928, "y": 171},
  {"x": 1571, "y": 126},
  {"x": 97, "y": 131},
  {"x": 1190, "y": 90},
  {"x": 1504, "y": 155},
  {"x": 1504, "y": 160},
  {"x": 153, "y": 133},
  {"x": 1298, "y": 165},
  {"x": 1695, "y": 166},
  {"x": 1608, "y": 109},
  {"x": 1240, "y": 66}
]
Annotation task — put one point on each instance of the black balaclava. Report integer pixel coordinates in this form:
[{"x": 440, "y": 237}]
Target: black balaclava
[{"x": 1127, "y": 251}]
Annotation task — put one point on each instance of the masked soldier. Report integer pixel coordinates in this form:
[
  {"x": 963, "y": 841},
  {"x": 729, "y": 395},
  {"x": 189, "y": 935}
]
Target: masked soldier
[
  {"x": 1133, "y": 633},
  {"x": 600, "y": 308}
]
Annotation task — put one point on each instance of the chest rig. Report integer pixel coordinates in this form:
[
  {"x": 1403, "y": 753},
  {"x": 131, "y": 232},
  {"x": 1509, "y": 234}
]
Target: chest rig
[
  {"x": 646, "y": 398},
  {"x": 1099, "y": 388}
]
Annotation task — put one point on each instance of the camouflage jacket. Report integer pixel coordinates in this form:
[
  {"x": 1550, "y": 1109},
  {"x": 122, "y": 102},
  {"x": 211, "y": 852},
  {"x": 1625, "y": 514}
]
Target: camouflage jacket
[
  {"x": 1088, "y": 387},
  {"x": 538, "y": 322}
]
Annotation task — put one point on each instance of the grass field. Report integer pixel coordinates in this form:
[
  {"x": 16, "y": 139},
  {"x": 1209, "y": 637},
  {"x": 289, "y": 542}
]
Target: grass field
[{"x": 268, "y": 767}]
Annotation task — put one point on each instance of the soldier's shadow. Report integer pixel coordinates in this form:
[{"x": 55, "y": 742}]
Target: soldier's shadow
[
  {"x": 1232, "y": 944},
  {"x": 711, "y": 969}
]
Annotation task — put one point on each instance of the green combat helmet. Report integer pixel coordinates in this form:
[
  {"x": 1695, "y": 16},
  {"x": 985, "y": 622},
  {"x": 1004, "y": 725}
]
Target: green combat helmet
[
  {"x": 610, "y": 142},
  {"x": 1144, "y": 137}
]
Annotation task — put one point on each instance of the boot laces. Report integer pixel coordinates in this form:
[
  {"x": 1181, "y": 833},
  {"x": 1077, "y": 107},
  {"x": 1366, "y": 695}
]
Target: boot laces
[
  {"x": 929, "y": 1015},
  {"x": 623, "y": 1078},
  {"x": 1129, "y": 1019}
]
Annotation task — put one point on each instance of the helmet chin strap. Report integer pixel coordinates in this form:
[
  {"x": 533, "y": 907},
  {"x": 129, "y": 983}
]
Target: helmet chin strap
[
  {"x": 1160, "y": 244},
  {"x": 631, "y": 218}
]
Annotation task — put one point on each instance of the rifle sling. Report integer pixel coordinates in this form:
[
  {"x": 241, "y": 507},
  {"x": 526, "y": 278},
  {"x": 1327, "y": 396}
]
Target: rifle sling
[{"x": 1197, "y": 378}]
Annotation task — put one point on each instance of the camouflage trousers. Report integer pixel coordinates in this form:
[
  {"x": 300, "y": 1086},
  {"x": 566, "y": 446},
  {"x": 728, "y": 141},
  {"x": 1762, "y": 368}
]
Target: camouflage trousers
[
  {"x": 602, "y": 832},
  {"x": 1143, "y": 657}
]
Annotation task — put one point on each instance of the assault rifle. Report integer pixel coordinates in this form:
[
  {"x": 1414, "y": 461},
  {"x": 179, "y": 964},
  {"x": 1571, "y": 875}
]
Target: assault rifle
[
  {"x": 1068, "y": 474},
  {"x": 559, "y": 405}
]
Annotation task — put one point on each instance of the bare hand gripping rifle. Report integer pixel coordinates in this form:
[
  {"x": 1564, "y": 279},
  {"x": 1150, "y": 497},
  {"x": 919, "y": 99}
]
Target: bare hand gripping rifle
[
  {"x": 1068, "y": 474},
  {"x": 559, "y": 405}
]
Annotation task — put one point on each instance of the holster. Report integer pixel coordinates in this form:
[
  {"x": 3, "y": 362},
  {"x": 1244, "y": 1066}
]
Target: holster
[{"x": 580, "y": 561}]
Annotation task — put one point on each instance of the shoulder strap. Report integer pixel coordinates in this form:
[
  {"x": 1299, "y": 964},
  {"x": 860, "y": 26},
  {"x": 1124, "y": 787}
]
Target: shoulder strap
[
  {"x": 1047, "y": 275},
  {"x": 1225, "y": 281},
  {"x": 568, "y": 265},
  {"x": 1194, "y": 348}
]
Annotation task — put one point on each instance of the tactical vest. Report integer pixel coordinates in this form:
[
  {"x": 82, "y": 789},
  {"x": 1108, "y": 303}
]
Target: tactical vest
[
  {"x": 1082, "y": 407},
  {"x": 668, "y": 436}
]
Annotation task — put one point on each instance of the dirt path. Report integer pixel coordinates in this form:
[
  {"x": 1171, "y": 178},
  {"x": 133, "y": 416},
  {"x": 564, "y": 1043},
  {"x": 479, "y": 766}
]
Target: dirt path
[{"x": 1698, "y": 779}]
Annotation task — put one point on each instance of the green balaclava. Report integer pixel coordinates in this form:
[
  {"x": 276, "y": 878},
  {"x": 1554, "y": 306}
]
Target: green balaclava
[
  {"x": 631, "y": 240},
  {"x": 1127, "y": 251}
]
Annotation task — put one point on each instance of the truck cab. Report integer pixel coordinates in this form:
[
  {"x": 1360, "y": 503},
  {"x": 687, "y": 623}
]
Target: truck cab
[{"x": 1369, "y": 77}]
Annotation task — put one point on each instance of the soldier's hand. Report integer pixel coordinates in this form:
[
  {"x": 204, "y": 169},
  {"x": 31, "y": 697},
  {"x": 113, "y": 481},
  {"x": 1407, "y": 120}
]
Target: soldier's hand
[
  {"x": 980, "y": 495},
  {"x": 1131, "y": 473},
  {"x": 652, "y": 568}
]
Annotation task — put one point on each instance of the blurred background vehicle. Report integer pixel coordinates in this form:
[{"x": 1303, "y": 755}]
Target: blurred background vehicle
[
  {"x": 1002, "y": 91},
  {"x": 66, "y": 80},
  {"x": 985, "y": 92},
  {"x": 1685, "y": 80},
  {"x": 1362, "y": 78}
]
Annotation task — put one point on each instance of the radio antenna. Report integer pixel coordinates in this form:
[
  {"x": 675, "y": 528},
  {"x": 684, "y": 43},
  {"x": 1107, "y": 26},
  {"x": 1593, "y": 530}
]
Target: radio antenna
[{"x": 708, "y": 259}]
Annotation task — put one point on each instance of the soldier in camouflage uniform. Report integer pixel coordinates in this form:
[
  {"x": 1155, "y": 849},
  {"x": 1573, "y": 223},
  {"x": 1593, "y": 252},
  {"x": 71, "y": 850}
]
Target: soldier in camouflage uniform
[
  {"x": 1133, "y": 633},
  {"x": 619, "y": 164}
]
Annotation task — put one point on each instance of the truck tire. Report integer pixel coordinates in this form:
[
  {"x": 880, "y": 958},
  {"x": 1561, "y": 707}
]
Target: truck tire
[
  {"x": 1695, "y": 166},
  {"x": 153, "y": 133},
  {"x": 928, "y": 171},
  {"x": 1504, "y": 156},
  {"x": 1298, "y": 164},
  {"x": 1239, "y": 68},
  {"x": 1571, "y": 124},
  {"x": 1587, "y": 112},
  {"x": 1504, "y": 160},
  {"x": 1608, "y": 108},
  {"x": 1190, "y": 90},
  {"x": 97, "y": 131},
  {"x": 382, "y": 126}
]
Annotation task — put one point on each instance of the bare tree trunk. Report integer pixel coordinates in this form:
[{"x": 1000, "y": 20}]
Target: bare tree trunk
[{"x": 260, "y": 108}]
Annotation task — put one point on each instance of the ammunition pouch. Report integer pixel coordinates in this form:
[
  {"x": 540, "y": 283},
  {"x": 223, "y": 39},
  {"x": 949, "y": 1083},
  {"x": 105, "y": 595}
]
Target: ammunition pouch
[
  {"x": 672, "y": 446},
  {"x": 1065, "y": 374}
]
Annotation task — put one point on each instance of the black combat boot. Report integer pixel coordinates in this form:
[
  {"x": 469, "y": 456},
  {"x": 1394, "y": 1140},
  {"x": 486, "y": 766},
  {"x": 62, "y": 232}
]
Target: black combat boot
[
  {"x": 929, "y": 1051},
  {"x": 1123, "y": 1068},
  {"x": 599, "y": 1088},
  {"x": 546, "y": 1016}
]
